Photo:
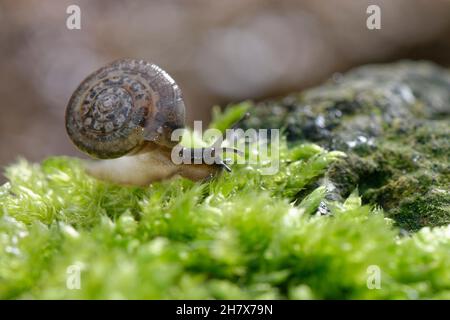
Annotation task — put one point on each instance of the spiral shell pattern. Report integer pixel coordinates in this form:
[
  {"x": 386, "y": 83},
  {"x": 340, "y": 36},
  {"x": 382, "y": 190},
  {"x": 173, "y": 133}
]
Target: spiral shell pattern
[{"x": 122, "y": 105}]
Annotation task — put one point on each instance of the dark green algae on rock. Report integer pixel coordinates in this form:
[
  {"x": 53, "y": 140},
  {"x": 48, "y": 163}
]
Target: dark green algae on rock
[{"x": 393, "y": 122}]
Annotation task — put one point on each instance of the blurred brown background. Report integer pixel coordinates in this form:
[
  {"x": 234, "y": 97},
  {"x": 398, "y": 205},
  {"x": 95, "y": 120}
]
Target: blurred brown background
[{"x": 217, "y": 51}]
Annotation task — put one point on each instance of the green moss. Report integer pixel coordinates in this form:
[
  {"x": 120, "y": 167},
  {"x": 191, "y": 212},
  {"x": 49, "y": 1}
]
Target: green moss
[{"x": 240, "y": 235}]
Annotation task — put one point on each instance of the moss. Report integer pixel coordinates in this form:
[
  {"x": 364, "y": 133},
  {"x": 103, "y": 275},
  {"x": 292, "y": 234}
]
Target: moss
[
  {"x": 392, "y": 121},
  {"x": 240, "y": 235},
  {"x": 414, "y": 190},
  {"x": 222, "y": 239},
  {"x": 432, "y": 208}
]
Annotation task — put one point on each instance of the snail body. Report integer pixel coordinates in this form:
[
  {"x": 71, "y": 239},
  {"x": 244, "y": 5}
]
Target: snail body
[
  {"x": 149, "y": 165},
  {"x": 125, "y": 113}
]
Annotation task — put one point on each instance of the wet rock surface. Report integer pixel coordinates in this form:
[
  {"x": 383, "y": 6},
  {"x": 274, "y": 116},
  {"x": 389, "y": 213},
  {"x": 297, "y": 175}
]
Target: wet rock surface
[{"x": 393, "y": 121}]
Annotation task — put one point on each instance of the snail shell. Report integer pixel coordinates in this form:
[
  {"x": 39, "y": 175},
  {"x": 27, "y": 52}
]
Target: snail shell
[{"x": 116, "y": 109}]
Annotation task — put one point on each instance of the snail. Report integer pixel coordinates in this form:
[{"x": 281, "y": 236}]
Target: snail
[{"x": 124, "y": 114}]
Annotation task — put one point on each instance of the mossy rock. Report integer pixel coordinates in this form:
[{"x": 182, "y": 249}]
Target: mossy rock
[{"x": 393, "y": 121}]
